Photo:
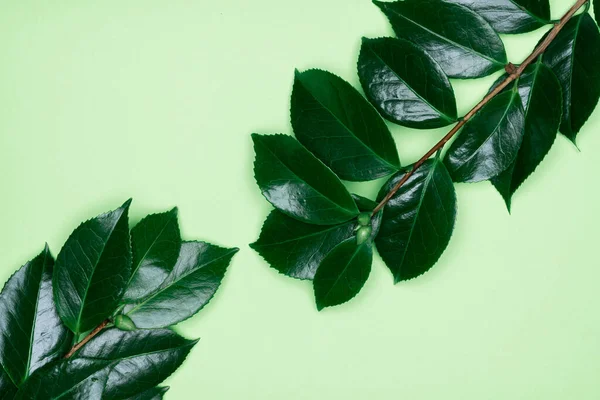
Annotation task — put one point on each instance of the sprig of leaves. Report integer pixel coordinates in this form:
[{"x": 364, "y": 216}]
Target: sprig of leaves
[
  {"x": 317, "y": 233},
  {"x": 92, "y": 325}
]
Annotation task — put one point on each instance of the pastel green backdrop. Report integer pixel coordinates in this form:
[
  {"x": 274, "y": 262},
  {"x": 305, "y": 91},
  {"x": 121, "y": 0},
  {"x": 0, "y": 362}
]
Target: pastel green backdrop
[{"x": 156, "y": 100}]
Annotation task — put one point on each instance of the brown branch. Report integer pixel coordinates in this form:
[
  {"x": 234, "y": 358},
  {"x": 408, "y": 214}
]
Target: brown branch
[
  {"x": 515, "y": 73},
  {"x": 87, "y": 338}
]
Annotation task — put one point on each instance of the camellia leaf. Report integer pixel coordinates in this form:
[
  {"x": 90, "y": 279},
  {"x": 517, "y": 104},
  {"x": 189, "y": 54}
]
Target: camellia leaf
[
  {"x": 418, "y": 221},
  {"x": 461, "y": 41},
  {"x": 150, "y": 394},
  {"x": 67, "y": 379},
  {"x": 189, "y": 287},
  {"x": 296, "y": 248},
  {"x": 405, "y": 84},
  {"x": 490, "y": 141},
  {"x": 139, "y": 360},
  {"x": 511, "y": 16},
  {"x": 574, "y": 56},
  {"x": 343, "y": 273},
  {"x": 155, "y": 243},
  {"x": 31, "y": 333},
  {"x": 541, "y": 96},
  {"x": 7, "y": 387},
  {"x": 92, "y": 270},
  {"x": 113, "y": 365},
  {"x": 597, "y": 10},
  {"x": 298, "y": 184},
  {"x": 341, "y": 128}
]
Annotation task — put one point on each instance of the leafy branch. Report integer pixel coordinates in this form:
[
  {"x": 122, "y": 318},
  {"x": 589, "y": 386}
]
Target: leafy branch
[
  {"x": 319, "y": 231},
  {"x": 514, "y": 73},
  {"x": 118, "y": 289}
]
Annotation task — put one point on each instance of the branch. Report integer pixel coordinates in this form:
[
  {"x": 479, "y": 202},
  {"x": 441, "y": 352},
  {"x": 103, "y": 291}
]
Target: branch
[
  {"x": 87, "y": 338},
  {"x": 515, "y": 73}
]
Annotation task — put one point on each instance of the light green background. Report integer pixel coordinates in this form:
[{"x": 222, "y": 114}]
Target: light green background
[{"x": 155, "y": 100}]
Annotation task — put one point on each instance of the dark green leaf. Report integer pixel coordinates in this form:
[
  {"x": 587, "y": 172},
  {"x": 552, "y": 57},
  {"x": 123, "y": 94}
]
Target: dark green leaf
[
  {"x": 418, "y": 221},
  {"x": 155, "y": 244},
  {"x": 113, "y": 365},
  {"x": 597, "y": 10},
  {"x": 511, "y": 16},
  {"x": 296, "y": 249},
  {"x": 460, "y": 40},
  {"x": 189, "y": 287},
  {"x": 150, "y": 394},
  {"x": 7, "y": 387},
  {"x": 343, "y": 273},
  {"x": 341, "y": 128},
  {"x": 405, "y": 84},
  {"x": 542, "y": 100},
  {"x": 139, "y": 360},
  {"x": 574, "y": 56},
  {"x": 92, "y": 270},
  {"x": 490, "y": 141},
  {"x": 298, "y": 184},
  {"x": 77, "y": 379},
  {"x": 31, "y": 333}
]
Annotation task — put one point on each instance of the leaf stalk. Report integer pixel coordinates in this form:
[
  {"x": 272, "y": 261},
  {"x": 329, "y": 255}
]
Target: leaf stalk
[{"x": 86, "y": 339}]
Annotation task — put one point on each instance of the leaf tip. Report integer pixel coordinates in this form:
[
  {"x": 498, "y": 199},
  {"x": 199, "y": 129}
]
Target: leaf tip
[
  {"x": 174, "y": 211},
  {"x": 127, "y": 203}
]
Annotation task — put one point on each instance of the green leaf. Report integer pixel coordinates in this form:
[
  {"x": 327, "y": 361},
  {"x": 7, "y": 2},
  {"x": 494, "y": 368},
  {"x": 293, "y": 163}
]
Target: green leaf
[
  {"x": 405, "y": 84},
  {"x": 31, "y": 333},
  {"x": 155, "y": 243},
  {"x": 489, "y": 142},
  {"x": 7, "y": 387},
  {"x": 150, "y": 394},
  {"x": 343, "y": 273},
  {"x": 511, "y": 16},
  {"x": 298, "y": 184},
  {"x": 296, "y": 248},
  {"x": 92, "y": 270},
  {"x": 461, "y": 41},
  {"x": 541, "y": 96},
  {"x": 574, "y": 56},
  {"x": 597, "y": 10},
  {"x": 341, "y": 128},
  {"x": 139, "y": 360},
  {"x": 113, "y": 365},
  {"x": 81, "y": 379},
  {"x": 189, "y": 287},
  {"x": 418, "y": 221}
]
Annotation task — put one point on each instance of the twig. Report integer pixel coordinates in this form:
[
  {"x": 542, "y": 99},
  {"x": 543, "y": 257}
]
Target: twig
[
  {"x": 514, "y": 74},
  {"x": 87, "y": 338}
]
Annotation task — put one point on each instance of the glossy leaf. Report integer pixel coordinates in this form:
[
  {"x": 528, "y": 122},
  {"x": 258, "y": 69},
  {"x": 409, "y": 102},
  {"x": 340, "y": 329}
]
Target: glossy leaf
[
  {"x": 597, "y": 10},
  {"x": 461, "y": 41},
  {"x": 489, "y": 142},
  {"x": 296, "y": 249},
  {"x": 155, "y": 243},
  {"x": 139, "y": 360},
  {"x": 405, "y": 84},
  {"x": 541, "y": 96},
  {"x": 31, "y": 333},
  {"x": 511, "y": 16},
  {"x": 574, "y": 56},
  {"x": 418, "y": 221},
  {"x": 92, "y": 270},
  {"x": 150, "y": 394},
  {"x": 7, "y": 387},
  {"x": 298, "y": 184},
  {"x": 113, "y": 365},
  {"x": 77, "y": 379},
  {"x": 341, "y": 128},
  {"x": 189, "y": 287},
  {"x": 343, "y": 273}
]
